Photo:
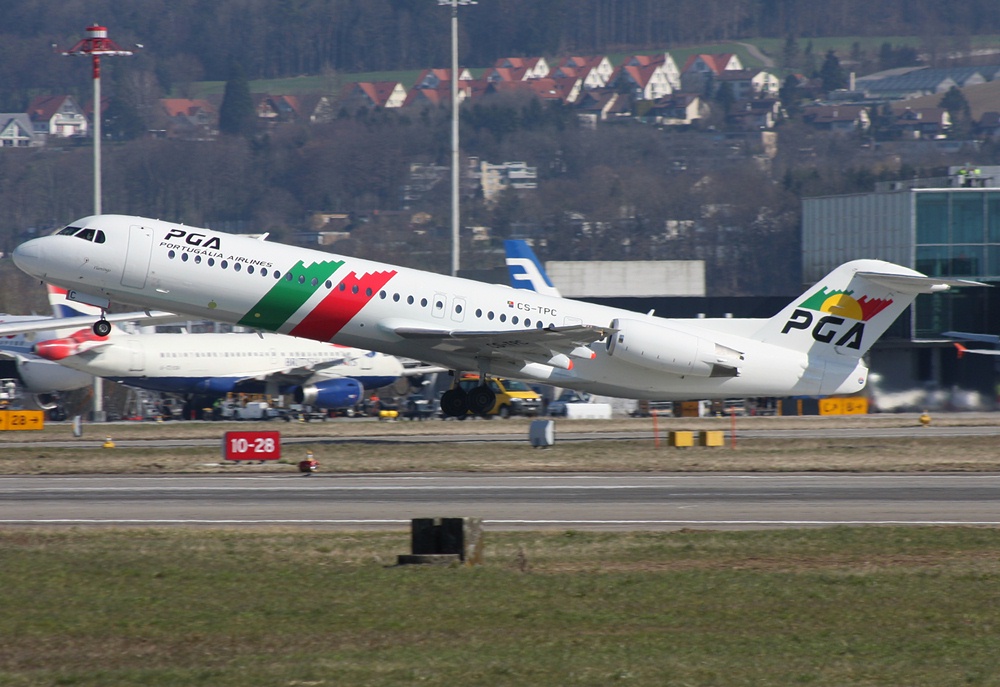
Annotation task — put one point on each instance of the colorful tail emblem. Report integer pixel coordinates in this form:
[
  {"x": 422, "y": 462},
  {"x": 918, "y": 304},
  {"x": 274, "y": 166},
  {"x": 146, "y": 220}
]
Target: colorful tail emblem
[
  {"x": 843, "y": 303},
  {"x": 839, "y": 306}
]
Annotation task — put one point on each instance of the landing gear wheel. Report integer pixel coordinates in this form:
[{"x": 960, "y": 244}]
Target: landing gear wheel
[
  {"x": 102, "y": 328},
  {"x": 481, "y": 399},
  {"x": 454, "y": 403}
]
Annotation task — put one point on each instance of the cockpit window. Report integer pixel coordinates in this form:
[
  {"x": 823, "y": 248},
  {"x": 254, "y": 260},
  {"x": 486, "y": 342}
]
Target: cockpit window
[{"x": 95, "y": 235}]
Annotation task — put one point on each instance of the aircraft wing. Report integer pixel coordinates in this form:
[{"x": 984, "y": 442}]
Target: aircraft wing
[
  {"x": 551, "y": 346},
  {"x": 970, "y": 336},
  {"x": 50, "y": 323}
]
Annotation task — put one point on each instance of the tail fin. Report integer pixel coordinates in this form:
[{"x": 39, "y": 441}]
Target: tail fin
[
  {"x": 844, "y": 313},
  {"x": 61, "y": 307},
  {"x": 526, "y": 272}
]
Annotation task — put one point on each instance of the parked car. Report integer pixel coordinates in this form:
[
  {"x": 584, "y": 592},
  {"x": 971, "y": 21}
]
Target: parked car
[
  {"x": 514, "y": 397},
  {"x": 419, "y": 406},
  {"x": 557, "y": 408}
]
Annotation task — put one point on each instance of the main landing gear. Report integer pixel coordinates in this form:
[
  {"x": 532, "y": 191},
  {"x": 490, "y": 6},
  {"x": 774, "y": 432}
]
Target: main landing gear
[{"x": 458, "y": 402}]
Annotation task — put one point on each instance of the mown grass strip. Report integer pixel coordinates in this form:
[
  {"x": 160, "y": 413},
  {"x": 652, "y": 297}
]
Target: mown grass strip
[{"x": 914, "y": 606}]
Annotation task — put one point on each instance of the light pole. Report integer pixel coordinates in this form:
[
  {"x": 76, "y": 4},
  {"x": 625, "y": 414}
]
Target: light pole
[
  {"x": 96, "y": 44},
  {"x": 455, "y": 217}
]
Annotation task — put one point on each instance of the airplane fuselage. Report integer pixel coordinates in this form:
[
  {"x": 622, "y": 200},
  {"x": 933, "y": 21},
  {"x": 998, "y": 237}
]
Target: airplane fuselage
[{"x": 355, "y": 302}]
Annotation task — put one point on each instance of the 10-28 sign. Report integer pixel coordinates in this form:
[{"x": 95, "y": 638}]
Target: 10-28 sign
[{"x": 251, "y": 446}]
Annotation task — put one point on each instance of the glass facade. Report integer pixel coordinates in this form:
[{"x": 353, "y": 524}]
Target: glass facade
[{"x": 957, "y": 234}]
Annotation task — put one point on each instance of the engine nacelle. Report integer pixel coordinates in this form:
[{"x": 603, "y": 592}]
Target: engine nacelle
[
  {"x": 665, "y": 349},
  {"x": 331, "y": 394},
  {"x": 39, "y": 375}
]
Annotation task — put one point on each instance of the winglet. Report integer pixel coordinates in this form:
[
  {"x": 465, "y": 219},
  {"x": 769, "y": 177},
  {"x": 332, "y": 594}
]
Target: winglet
[{"x": 960, "y": 349}]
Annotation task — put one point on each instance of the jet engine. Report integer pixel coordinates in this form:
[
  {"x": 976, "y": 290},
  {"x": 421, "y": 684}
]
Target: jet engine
[
  {"x": 330, "y": 394},
  {"x": 665, "y": 349}
]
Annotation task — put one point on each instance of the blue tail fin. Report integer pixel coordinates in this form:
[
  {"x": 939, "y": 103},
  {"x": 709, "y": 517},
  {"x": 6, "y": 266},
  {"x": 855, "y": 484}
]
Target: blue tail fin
[{"x": 526, "y": 272}]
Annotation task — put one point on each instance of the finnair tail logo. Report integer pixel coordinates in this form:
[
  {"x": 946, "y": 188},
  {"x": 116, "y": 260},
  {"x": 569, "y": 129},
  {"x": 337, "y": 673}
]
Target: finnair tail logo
[{"x": 524, "y": 273}]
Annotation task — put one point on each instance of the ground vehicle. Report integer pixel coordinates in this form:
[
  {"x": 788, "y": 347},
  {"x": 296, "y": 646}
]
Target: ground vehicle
[
  {"x": 418, "y": 407},
  {"x": 513, "y": 397},
  {"x": 557, "y": 408}
]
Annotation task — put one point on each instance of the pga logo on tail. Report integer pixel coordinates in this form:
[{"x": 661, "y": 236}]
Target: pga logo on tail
[{"x": 843, "y": 323}]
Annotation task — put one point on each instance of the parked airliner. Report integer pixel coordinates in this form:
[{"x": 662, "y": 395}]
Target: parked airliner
[
  {"x": 40, "y": 377},
  {"x": 813, "y": 346},
  {"x": 320, "y": 374}
]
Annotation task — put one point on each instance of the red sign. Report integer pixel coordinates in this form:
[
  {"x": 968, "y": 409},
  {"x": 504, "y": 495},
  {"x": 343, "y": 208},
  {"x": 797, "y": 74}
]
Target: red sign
[{"x": 251, "y": 446}]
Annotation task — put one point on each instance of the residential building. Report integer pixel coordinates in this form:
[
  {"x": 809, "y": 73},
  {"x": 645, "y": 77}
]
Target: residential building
[
  {"x": 595, "y": 71},
  {"x": 495, "y": 179},
  {"x": 57, "y": 115},
  {"x": 370, "y": 94},
  {"x": 532, "y": 67},
  {"x": 647, "y": 82},
  {"x": 16, "y": 131},
  {"x": 190, "y": 118},
  {"x": 838, "y": 119}
]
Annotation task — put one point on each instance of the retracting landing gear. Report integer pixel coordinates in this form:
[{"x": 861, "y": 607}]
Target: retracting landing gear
[{"x": 102, "y": 327}]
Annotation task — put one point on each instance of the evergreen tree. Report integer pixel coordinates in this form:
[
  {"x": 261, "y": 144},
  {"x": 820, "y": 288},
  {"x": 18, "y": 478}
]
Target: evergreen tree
[
  {"x": 958, "y": 109},
  {"x": 121, "y": 122},
  {"x": 236, "y": 114},
  {"x": 831, "y": 73}
]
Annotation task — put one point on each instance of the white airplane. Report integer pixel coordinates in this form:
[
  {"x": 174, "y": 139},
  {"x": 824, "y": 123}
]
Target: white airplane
[
  {"x": 40, "y": 377},
  {"x": 319, "y": 374},
  {"x": 813, "y": 346}
]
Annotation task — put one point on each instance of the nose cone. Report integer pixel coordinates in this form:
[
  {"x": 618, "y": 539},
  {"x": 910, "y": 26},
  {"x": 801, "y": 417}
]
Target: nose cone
[{"x": 30, "y": 257}]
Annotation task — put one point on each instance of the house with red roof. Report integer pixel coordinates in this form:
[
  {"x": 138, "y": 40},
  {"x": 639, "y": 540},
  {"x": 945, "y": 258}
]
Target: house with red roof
[
  {"x": 435, "y": 78},
  {"x": 665, "y": 59},
  {"x": 57, "y": 115},
  {"x": 648, "y": 82},
  {"x": 701, "y": 67},
  {"x": 533, "y": 67},
  {"x": 190, "y": 118},
  {"x": 594, "y": 70},
  {"x": 277, "y": 108},
  {"x": 369, "y": 94}
]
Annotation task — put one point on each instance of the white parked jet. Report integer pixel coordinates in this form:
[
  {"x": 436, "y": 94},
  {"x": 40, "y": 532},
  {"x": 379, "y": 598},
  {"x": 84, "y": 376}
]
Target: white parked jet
[
  {"x": 814, "y": 346},
  {"x": 320, "y": 374},
  {"x": 40, "y": 377}
]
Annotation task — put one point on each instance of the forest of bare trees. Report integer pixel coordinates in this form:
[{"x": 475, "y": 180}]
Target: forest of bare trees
[
  {"x": 626, "y": 191},
  {"x": 192, "y": 40}
]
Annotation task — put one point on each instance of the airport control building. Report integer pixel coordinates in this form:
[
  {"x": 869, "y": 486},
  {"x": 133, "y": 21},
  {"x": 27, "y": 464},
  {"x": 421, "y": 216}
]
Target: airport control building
[{"x": 944, "y": 226}]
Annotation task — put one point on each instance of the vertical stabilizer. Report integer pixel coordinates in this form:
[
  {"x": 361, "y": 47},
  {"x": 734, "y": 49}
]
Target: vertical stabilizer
[
  {"x": 526, "y": 272},
  {"x": 844, "y": 313}
]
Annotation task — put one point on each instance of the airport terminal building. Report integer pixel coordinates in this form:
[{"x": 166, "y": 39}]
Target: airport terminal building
[{"x": 944, "y": 226}]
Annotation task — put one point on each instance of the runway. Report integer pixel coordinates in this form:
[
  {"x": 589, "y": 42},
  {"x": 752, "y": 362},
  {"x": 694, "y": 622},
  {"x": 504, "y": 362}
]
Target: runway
[{"x": 506, "y": 501}]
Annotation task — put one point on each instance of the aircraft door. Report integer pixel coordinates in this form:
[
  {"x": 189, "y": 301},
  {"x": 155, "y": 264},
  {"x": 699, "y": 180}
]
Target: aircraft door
[
  {"x": 439, "y": 305},
  {"x": 140, "y": 246},
  {"x": 136, "y": 357},
  {"x": 458, "y": 309}
]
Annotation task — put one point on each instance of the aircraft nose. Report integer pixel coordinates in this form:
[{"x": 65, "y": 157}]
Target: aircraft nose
[{"x": 29, "y": 257}]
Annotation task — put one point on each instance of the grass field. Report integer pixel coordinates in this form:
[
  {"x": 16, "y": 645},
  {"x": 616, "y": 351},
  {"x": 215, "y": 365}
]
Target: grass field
[
  {"x": 175, "y": 606},
  {"x": 877, "y": 606}
]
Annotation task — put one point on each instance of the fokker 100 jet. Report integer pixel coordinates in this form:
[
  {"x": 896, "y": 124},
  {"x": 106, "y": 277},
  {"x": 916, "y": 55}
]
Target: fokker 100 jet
[{"x": 813, "y": 346}]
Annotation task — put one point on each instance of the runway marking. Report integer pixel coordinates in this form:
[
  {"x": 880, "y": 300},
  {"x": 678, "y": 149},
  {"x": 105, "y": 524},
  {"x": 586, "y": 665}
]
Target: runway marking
[{"x": 361, "y": 521}]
